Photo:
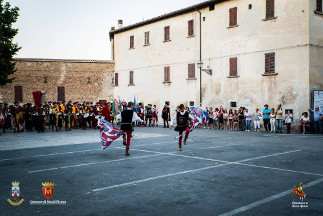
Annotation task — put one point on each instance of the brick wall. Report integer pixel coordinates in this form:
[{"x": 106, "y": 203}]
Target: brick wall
[{"x": 84, "y": 80}]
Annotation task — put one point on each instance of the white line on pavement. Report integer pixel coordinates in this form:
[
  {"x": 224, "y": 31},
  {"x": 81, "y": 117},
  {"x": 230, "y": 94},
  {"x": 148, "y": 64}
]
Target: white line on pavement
[
  {"x": 270, "y": 155},
  {"x": 184, "y": 172},
  {"x": 62, "y": 153},
  {"x": 280, "y": 169},
  {"x": 266, "y": 200},
  {"x": 154, "y": 143},
  {"x": 154, "y": 178},
  {"x": 218, "y": 146},
  {"x": 87, "y": 164}
]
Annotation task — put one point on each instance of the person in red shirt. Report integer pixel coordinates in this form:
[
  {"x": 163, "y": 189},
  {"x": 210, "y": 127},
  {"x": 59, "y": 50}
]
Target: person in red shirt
[{"x": 106, "y": 112}]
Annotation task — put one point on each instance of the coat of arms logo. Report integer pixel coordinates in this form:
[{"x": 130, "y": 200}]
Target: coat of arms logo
[
  {"x": 48, "y": 189},
  {"x": 16, "y": 198}
]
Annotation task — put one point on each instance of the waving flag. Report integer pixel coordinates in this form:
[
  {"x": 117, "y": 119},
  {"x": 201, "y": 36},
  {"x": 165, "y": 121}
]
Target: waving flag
[
  {"x": 134, "y": 104},
  {"x": 200, "y": 113},
  {"x": 108, "y": 133}
]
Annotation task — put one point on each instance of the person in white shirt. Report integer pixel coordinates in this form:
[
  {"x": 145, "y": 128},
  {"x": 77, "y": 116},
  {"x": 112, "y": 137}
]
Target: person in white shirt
[
  {"x": 288, "y": 120},
  {"x": 304, "y": 122},
  {"x": 183, "y": 119},
  {"x": 272, "y": 117},
  {"x": 256, "y": 120},
  {"x": 248, "y": 115}
]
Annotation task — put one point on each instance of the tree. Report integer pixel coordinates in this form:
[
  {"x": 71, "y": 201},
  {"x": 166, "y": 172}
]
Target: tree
[{"x": 8, "y": 49}]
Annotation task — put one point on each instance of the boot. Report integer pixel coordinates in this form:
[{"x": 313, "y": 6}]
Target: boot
[{"x": 127, "y": 152}]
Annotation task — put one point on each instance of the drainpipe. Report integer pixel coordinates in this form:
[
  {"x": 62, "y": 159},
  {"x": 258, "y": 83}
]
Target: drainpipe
[{"x": 200, "y": 55}]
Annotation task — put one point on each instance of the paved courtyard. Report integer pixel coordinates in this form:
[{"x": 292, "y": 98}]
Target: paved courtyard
[{"x": 217, "y": 173}]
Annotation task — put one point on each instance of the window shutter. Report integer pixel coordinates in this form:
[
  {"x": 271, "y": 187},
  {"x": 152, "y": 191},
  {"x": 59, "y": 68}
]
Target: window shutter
[
  {"x": 131, "y": 78},
  {"x": 270, "y": 8},
  {"x": 233, "y": 16},
  {"x": 60, "y": 93},
  {"x": 233, "y": 66},
  {"x": 191, "y": 71},
  {"x": 269, "y": 63},
  {"x": 132, "y": 41},
  {"x": 18, "y": 93},
  {"x": 166, "y": 33},
  {"x": 319, "y": 5},
  {"x": 116, "y": 79},
  {"x": 190, "y": 27},
  {"x": 167, "y": 74},
  {"x": 146, "y": 38}
]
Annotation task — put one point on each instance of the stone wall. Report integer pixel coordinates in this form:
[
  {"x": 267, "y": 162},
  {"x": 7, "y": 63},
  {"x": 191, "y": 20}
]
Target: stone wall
[{"x": 84, "y": 80}]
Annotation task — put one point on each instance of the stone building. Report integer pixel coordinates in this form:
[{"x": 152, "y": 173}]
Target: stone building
[
  {"x": 59, "y": 80},
  {"x": 254, "y": 52}
]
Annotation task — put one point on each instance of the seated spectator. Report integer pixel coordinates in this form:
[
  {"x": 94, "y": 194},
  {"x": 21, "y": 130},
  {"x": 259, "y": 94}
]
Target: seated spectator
[{"x": 304, "y": 123}]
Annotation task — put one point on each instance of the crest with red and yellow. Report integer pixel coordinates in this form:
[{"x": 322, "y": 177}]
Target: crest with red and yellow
[{"x": 48, "y": 189}]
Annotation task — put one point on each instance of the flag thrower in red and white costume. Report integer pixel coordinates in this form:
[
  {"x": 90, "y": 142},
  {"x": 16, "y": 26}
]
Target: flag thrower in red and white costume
[{"x": 183, "y": 119}]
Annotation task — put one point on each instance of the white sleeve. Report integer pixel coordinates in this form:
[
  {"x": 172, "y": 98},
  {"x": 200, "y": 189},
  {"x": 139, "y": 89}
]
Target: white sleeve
[
  {"x": 190, "y": 116},
  {"x": 119, "y": 118},
  {"x": 135, "y": 117},
  {"x": 173, "y": 120}
]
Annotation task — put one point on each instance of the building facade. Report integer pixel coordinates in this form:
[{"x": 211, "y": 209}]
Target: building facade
[
  {"x": 60, "y": 80},
  {"x": 260, "y": 52}
]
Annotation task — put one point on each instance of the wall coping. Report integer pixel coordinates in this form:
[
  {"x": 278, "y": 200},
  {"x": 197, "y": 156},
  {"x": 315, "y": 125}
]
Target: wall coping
[{"x": 63, "y": 60}]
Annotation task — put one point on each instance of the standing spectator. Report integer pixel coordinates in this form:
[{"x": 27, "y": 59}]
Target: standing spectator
[
  {"x": 272, "y": 121},
  {"x": 248, "y": 119},
  {"x": 140, "y": 114},
  {"x": 304, "y": 123},
  {"x": 256, "y": 120},
  {"x": 241, "y": 119},
  {"x": 265, "y": 117},
  {"x": 155, "y": 116},
  {"x": 220, "y": 117},
  {"x": 317, "y": 117},
  {"x": 231, "y": 119},
  {"x": 206, "y": 113},
  {"x": 225, "y": 119},
  {"x": 279, "y": 119},
  {"x": 288, "y": 120},
  {"x": 210, "y": 125},
  {"x": 166, "y": 114},
  {"x": 148, "y": 114},
  {"x": 235, "y": 120},
  {"x": 215, "y": 118}
]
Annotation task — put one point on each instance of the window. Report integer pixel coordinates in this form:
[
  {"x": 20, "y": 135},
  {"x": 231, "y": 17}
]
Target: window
[
  {"x": 269, "y": 63},
  {"x": 233, "y": 104},
  {"x": 60, "y": 93},
  {"x": 319, "y": 5},
  {"x": 131, "y": 78},
  {"x": 250, "y": 6},
  {"x": 270, "y": 9},
  {"x": 191, "y": 71},
  {"x": 147, "y": 38},
  {"x": 166, "y": 34},
  {"x": 191, "y": 103},
  {"x": 211, "y": 7},
  {"x": 191, "y": 28},
  {"x": 116, "y": 79},
  {"x": 132, "y": 39},
  {"x": 233, "y": 17},
  {"x": 18, "y": 93},
  {"x": 167, "y": 74},
  {"x": 233, "y": 67}
]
